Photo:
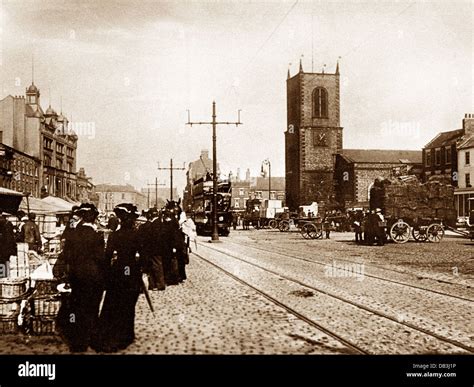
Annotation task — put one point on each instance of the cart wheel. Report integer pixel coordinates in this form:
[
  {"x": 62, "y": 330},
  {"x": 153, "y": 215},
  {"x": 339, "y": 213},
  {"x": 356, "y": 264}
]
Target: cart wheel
[
  {"x": 435, "y": 233},
  {"x": 420, "y": 234},
  {"x": 400, "y": 232},
  {"x": 305, "y": 229},
  {"x": 284, "y": 226},
  {"x": 314, "y": 231},
  {"x": 273, "y": 224}
]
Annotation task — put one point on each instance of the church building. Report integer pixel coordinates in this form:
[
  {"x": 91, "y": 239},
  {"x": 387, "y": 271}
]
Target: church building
[{"x": 317, "y": 167}]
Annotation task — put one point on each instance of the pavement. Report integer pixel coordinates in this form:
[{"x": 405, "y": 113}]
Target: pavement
[{"x": 212, "y": 313}]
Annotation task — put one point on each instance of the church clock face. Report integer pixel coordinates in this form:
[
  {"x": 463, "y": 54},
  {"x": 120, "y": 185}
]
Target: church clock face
[{"x": 320, "y": 138}]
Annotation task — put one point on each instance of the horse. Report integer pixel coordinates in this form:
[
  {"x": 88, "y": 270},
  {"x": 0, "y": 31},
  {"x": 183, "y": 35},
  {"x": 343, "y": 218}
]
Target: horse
[{"x": 174, "y": 248}]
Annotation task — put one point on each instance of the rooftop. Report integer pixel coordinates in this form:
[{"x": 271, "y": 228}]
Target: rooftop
[
  {"x": 382, "y": 156},
  {"x": 445, "y": 138}
]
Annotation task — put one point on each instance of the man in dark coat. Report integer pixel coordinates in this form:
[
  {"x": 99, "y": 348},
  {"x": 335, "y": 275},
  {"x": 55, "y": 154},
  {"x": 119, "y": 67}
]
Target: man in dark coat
[
  {"x": 32, "y": 234},
  {"x": 84, "y": 257},
  {"x": 150, "y": 251},
  {"x": 7, "y": 239}
]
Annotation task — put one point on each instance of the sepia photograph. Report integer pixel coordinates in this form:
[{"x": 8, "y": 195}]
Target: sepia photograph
[{"x": 237, "y": 177}]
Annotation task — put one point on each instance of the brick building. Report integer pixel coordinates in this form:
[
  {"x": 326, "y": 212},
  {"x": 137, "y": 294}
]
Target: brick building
[
  {"x": 464, "y": 193},
  {"x": 44, "y": 136},
  {"x": 356, "y": 170},
  {"x": 19, "y": 171}
]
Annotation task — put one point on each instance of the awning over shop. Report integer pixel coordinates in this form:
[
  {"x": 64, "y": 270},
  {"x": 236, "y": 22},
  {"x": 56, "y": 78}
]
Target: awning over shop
[
  {"x": 59, "y": 204},
  {"x": 37, "y": 206}
]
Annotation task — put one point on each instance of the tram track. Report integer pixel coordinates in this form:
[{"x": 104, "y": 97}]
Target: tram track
[
  {"x": 356, "y": 349},
  {"x": 286, "y": 254},
  {"x": 344, "y": 300}
]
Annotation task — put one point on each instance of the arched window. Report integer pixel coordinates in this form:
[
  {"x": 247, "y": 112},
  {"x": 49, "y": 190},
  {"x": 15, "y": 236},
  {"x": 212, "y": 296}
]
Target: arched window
[{"x": 320, "y": 103}]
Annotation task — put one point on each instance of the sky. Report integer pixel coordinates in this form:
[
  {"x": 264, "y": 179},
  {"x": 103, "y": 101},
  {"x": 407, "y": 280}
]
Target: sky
[{"x": 126, "y": 72}]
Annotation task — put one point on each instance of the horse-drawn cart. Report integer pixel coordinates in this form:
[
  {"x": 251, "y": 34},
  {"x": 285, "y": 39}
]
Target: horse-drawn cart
[
  {"x": 309, "y": 228},
  {"x": 421, "y": 229}
]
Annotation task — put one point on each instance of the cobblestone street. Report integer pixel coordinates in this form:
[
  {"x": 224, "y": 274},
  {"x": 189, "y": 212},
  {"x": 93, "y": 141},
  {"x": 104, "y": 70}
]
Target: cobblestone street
[{"x": 266, "y": 292}]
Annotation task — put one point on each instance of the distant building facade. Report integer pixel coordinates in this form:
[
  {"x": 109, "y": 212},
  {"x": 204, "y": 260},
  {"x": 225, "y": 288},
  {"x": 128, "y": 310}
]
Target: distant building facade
[
  {"x": 85, "y": 188},
  {"x": 256, "y": 188},
  {"x": 110, "y": 195},
  {"x": 464, "y": 193}
]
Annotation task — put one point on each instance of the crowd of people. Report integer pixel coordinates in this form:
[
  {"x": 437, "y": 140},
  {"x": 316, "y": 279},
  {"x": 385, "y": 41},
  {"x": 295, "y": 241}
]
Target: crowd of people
[
  {"x": 24, "y": 231},
  {"x": 90, "y": 266}
]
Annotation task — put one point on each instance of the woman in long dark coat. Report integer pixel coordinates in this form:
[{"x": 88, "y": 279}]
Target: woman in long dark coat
[
  {"x": 117, "y": 318},
  {"x": 84, "y": 259}
]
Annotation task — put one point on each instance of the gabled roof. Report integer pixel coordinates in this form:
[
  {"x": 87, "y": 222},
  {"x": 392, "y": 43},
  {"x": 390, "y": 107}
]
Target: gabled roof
[
  {"x": 382, "y": 156},
  {"x": 466, "y": 143},
  {"x": 445, "y": 138}
]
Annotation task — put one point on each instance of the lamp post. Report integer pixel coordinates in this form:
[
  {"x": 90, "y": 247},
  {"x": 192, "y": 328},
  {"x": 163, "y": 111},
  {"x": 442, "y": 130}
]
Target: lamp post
[{"x": 267, "y": 162}]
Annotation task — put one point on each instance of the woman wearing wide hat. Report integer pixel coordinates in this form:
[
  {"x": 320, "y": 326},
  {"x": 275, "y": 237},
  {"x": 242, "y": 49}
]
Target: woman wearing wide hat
[
  {"x": 84, "y": 260},
  {"x": 117, "y": 318}
]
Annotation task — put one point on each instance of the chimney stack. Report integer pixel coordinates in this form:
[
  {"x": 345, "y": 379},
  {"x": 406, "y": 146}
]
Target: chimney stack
[
  {"x": 468, "y": 124},
  {"x": 247, "y": 174}
]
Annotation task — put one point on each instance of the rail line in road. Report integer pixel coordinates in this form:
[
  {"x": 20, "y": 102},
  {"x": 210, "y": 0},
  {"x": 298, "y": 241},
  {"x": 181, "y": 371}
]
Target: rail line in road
[
  {"x": 287, "y": 255},
  {"x": 356, "y": 349},
  {"x": 380, "y": 314}
]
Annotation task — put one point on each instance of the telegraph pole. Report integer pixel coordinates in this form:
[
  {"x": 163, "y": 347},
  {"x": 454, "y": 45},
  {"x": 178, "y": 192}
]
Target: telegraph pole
[
  {"x": 156, "y": 192},
  {"x": 171, "y": 169},
  {"x": 214, "y": 123}
]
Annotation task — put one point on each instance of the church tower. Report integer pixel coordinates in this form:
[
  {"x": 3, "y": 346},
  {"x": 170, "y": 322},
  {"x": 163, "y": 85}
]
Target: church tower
[{"x": 312, "y": 138}]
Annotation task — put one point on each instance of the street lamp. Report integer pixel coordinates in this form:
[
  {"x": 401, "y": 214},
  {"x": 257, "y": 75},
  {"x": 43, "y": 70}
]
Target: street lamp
[{"x": 267, "y": 162}]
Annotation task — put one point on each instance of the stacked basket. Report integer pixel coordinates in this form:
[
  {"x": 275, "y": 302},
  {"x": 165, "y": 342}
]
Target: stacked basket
[
  {"x": 12, "y": 291},
  {"x": 45, "y": 305}
]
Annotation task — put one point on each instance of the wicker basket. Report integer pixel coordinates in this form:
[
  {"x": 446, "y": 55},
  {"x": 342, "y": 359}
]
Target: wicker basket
[
  {"x": 9, "y": 325},
  {"x": 13, "y": 287},
  {"x": 43, "y": 325},
  {"x": 9, "y": 309},
  {"x": 46, "y": 306},
  {"x": 46, "y": 287}
]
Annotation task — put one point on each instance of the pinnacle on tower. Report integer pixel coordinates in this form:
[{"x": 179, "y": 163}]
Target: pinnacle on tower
[
  {"x": 337, "y": 67},
  {"x": 288, "y": 77},
  {"x": 301, "y": 65}
]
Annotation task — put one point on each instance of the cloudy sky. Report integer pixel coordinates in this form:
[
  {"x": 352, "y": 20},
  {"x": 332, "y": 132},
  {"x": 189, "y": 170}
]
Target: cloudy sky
[{"x": 128, "y": 70}]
